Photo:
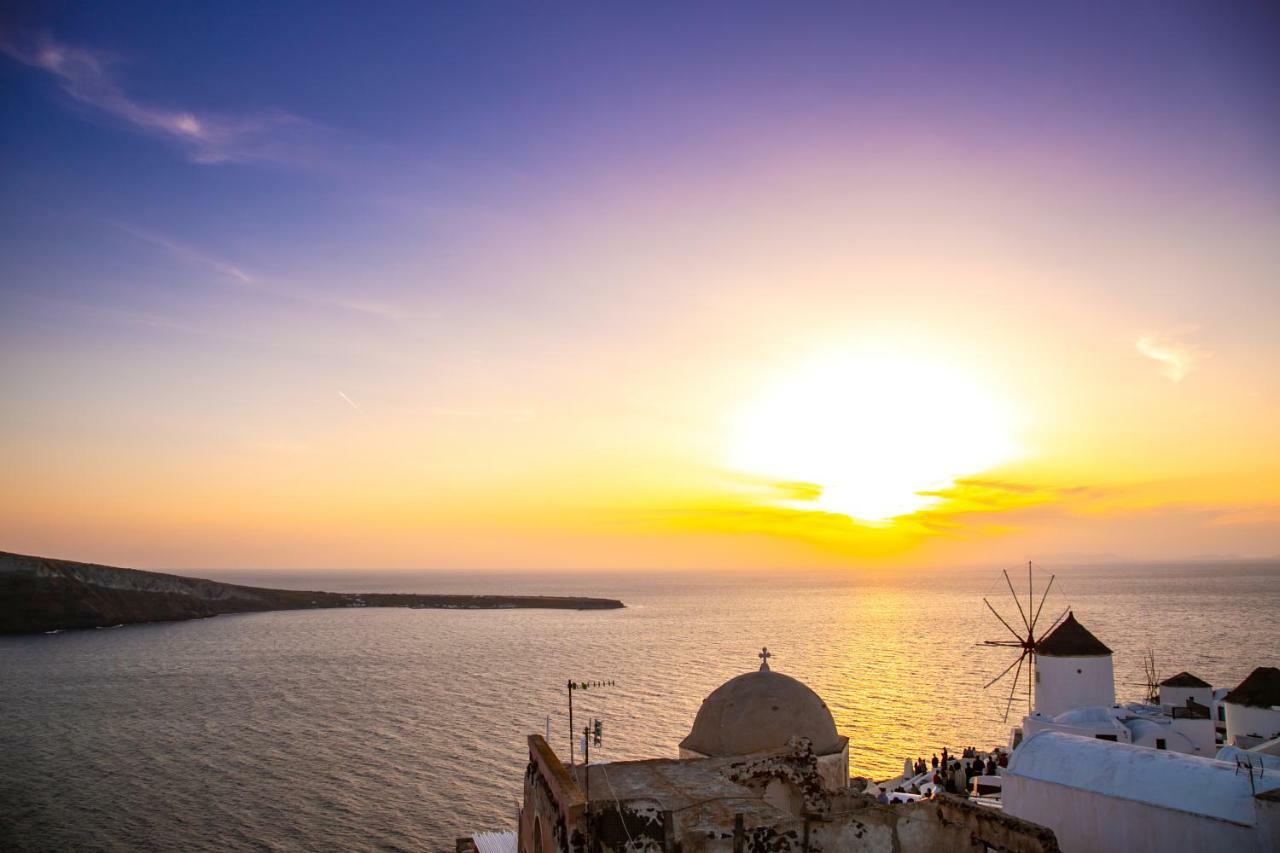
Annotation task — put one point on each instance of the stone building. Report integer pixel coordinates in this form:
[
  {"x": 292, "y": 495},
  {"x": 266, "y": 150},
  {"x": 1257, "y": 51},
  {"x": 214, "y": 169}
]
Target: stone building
[
  {"x": 763, "y": 769},
  {"x": 771, "y": 801},
  {"x": 762, "y": 710}
]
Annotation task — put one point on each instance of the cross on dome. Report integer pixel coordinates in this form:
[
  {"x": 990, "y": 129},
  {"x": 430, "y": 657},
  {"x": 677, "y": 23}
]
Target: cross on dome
[{"x": 764, "y": 659}]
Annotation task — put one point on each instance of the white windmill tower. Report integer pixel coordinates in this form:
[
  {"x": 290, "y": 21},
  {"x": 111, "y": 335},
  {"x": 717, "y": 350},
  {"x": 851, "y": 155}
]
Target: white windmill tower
[{"x": 1067, "y": 666}]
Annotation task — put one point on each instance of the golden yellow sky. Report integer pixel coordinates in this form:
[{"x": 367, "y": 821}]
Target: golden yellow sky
[
  {"x": 773, "y": 392},
  {"x": 858, "y": 322}
]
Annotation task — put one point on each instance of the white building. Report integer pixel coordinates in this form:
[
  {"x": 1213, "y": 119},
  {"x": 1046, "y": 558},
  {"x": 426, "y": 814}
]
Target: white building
[
  {"x": 1073, "y": 670},
  {"x": 1175, "y": 691},
  {"x": 1075, "y": 694},
  {"x": 1253, "y": 708},
  {"x": 1099, "y": 796},
  {"x": 761, "y": 711},
  {"x": 1188, "y": 729}
]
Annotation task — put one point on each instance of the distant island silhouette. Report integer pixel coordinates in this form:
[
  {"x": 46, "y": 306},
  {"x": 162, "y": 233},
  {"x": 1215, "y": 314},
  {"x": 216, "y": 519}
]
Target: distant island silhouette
[{"x": 44, "y": 594}]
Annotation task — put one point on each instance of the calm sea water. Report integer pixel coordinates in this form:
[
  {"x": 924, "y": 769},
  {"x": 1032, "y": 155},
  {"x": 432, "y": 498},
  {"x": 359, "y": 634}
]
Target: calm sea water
[{"x": 388, "y": 729}]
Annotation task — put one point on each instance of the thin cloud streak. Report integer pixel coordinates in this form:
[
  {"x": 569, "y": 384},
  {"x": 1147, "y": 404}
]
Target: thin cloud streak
[
  {"x": 359, "y": 411},
  {"x": 349, "y": 401},
  {"x": 187, "y": 253},
  {"x": 86, "y": 76},
  {"x": 243, "y": 278}
]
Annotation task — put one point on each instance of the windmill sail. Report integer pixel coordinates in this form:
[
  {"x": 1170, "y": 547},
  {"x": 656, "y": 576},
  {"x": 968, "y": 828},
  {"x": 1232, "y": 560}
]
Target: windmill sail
[{"x": 1023, "y": 638}]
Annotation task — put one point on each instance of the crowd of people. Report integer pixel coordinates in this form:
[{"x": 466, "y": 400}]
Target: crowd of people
[{"x": 951, "y": 773}]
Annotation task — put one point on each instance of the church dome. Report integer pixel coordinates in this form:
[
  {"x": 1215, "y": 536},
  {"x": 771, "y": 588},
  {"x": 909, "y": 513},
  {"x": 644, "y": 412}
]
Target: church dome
[{"x": 760, "y": 711}]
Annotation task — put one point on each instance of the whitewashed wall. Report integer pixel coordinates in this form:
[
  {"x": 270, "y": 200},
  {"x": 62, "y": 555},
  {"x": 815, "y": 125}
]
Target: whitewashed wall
[
  {"x": 1246, "y": 720},
  {"x": 1064, "y": 683},
  {"x": 1085, "y": 822},
  {"x": 1178, "y": 696}
]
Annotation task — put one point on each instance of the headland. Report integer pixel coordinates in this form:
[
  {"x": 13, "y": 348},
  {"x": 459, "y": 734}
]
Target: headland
[{"x": 43, "y": 594}]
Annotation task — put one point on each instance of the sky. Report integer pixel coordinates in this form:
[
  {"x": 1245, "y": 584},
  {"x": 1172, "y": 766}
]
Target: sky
[{"x": 644, "y": 287}]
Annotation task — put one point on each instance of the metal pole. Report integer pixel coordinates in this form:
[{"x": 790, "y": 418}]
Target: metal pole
[
  {"x": 586, "y": 764},
  {"x": 571, "y": 734},
  {"x": 586, "y": 772}
]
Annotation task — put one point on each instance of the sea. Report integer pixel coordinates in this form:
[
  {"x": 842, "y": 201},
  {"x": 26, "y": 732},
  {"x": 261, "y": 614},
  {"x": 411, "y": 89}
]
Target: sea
[{"x": 399, "y": 729}]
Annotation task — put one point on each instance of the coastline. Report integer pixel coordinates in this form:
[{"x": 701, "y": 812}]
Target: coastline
[{"x": 39, "y": 594}]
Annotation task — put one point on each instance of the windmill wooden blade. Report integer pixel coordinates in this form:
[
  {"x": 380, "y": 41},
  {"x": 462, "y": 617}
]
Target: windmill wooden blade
[
  {"x": 1003, "y": 674},
  {"x": 1002, "y": 622},
  {"x": 1016, "y": 600},
  {"x": 1013, "y": 690},
  {"x": 1036, "y": 618},
  {"x": 1061, "y": 616}
]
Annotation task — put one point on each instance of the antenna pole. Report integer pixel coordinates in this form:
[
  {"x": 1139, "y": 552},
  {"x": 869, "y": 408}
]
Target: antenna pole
[
  {"x": 586, "y": 763},
  {"x": 571, "y": 734}
]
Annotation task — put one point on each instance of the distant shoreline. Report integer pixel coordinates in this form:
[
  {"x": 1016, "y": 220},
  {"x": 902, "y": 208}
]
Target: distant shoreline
[{"x": 39, "y": 594}]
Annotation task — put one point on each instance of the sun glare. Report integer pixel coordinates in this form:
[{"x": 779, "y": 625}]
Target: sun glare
[{"x": 875, "y": 433}]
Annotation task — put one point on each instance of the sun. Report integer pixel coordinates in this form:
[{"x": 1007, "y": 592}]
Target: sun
[{"x": 875, "y": 432}]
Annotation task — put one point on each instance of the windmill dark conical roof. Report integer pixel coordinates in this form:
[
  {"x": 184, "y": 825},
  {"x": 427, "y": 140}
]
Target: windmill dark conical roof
[
  {"x": 1260, "y": 690},
  {"x": 1184, "y": 679},
  {"x": 1071, "y": 640}
]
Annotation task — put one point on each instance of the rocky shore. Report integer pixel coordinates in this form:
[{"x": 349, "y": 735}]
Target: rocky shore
[{"x": 41, "y": 594}]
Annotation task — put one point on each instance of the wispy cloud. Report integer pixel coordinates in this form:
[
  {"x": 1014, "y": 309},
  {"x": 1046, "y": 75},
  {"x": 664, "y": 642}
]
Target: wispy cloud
[
  {"x": 1172, "y": 351},
  {"x": 187, "y": 253},
  {"x": 240, "y": 277},
  {"x": 352, "y": 404},
  {"x": 89, "y": 77}
]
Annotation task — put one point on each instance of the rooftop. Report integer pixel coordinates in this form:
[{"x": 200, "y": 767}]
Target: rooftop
[
  {"x": 701, "y": 788},
  {"x": 1169, "y": 780},
  {"x": 1260, "y": 690},
  {"x": 1071, "y": 639},
  {"x": 760, "y": 711},
  {"x": 1184, "y": 679}
]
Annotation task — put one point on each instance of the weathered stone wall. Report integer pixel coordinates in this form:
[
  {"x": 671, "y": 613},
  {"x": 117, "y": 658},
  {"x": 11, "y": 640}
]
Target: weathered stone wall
[
  {"x": 553, "y": 802},
  {"x": 776, "y": 803}
]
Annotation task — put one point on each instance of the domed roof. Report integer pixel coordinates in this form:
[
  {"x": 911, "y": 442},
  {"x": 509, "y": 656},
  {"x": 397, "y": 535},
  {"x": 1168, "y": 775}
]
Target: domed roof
[
  {"x": 759, "y": 711},
  {"x": 1089, "y": 716}
]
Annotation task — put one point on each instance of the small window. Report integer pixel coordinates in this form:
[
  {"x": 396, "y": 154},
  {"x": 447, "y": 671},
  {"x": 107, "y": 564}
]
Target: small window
[
  {"x": 1160, "y": 743},
  {"x": 1111, "y": 738},
  {"x": 1037, "y": 676},
  {"x": 1079, "y": 672}
]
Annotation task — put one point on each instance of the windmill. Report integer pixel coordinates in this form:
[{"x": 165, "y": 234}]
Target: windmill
[
  {"x": 1025, "y": 639},
  {"x": 1152, "y": 674}
]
